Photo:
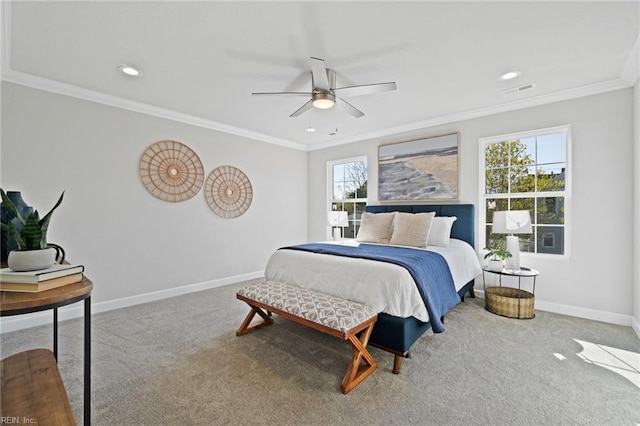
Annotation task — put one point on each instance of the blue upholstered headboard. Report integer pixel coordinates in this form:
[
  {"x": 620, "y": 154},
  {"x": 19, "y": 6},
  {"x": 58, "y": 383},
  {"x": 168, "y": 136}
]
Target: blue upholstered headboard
[{"x": 463, "y": 228}]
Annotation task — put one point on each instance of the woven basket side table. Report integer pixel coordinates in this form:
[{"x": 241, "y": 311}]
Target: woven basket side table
[{"x": 511, "y": 302}]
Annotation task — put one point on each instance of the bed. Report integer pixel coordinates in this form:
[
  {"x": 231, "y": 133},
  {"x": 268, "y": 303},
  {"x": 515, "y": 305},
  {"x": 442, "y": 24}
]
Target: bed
[{"x": 387, "y": 287}]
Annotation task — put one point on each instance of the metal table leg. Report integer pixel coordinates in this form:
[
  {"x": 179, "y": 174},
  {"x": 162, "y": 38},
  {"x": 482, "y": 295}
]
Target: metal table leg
[
  {"x": 55, "y": 333},
  {"x": 87, "y": 361}
]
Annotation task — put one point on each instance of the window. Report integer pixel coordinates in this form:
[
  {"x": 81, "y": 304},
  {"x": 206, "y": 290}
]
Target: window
[
  {"x": 528, "y": 171},
  {"x": 348, "y": 191}
]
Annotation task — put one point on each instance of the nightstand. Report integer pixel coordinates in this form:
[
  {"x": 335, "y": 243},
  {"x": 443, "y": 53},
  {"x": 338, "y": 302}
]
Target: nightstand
[{"x": 510, "y": 301}]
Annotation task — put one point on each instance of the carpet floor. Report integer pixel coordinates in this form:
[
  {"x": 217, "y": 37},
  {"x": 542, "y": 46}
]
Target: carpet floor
[{"x": 178, "y": 362}]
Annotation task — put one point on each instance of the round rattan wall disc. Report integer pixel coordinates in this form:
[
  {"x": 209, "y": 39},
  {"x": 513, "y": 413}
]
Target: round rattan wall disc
[
  {"x": 171, "y": 171},
  {"x": 228, "y": 192}
]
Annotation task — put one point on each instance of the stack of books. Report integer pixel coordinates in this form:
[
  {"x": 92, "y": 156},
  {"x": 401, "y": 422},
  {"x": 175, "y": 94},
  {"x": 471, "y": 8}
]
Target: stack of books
[{"x": 44, "y": 279}]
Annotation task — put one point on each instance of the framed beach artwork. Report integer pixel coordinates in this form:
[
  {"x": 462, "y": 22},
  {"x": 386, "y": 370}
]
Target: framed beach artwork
[{"x": 421, "y": 169}]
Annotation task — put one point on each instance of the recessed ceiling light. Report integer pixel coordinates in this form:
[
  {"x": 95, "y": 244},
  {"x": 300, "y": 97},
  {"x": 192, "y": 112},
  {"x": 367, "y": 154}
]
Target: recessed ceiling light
[
  {"x": 510, "y": 75},
  {"x": 310, "y": 129},
  {"x": 129, "y": 70}
]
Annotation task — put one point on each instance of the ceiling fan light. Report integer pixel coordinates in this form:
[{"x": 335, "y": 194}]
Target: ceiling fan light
[
  {"x": 323, "y": 100},
  {"x": 323, "y": 103}
]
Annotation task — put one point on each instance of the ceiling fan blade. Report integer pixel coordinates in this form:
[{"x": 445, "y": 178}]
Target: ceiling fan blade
[
  {"x": 282, "y": 93},
  {"x": 347, "y": 107},
  {"x": 319, "y": 74},
  {"x": 365, "y": 89},
  {"x": 302, "y": 109}
]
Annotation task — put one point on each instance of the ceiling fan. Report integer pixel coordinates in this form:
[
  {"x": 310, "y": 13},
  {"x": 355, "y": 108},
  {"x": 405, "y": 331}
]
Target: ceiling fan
[{"x": 324, "y": 93}]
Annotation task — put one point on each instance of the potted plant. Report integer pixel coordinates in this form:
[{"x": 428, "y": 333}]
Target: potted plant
[
  {"x": 498, "y": 256},
  {"x": 33, "y": 252},
  {"x": 6, "y": 242}
]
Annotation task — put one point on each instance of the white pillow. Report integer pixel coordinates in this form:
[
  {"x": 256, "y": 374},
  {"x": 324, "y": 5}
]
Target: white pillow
[
  {"x": 411, "y": 229},
  {"x": 375, "y": 228},
  {"x": 440, "y": 231}
]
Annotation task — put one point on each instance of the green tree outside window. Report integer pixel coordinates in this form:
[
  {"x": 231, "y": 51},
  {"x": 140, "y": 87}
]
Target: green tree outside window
[{"x": 528, "y": 174}]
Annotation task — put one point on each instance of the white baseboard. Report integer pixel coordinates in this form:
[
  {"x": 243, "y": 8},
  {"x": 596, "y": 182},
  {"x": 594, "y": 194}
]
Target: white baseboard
[
  {"x": 19, "y": 322},
  {"x": 576, "y": 311}
]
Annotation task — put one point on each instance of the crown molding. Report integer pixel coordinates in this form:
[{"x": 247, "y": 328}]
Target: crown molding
[
  {"x": 98, "y": 97},
  {"x": 564, "y": 95},
  {"x": 102, "y": 98}
]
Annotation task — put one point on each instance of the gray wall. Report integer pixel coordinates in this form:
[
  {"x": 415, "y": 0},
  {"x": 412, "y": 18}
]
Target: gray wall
[
  {"x": 130, "y": 242},
  {"x": 597, "y": 280}
]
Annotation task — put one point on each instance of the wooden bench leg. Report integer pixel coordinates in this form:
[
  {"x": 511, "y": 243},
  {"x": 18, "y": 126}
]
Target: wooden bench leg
[
  {"x": 244, "y": 327},
  {"x": 355, "y": 373}
]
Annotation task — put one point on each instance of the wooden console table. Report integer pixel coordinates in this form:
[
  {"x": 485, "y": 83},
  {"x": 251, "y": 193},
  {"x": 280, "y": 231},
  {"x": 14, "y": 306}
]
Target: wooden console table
[{"x": 14, "y": 303}]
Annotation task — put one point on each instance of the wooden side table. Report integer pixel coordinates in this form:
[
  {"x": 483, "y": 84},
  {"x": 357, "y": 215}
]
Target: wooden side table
[
  {"x": 14, "y": 303},
  {"x": 32, "y": 390}
]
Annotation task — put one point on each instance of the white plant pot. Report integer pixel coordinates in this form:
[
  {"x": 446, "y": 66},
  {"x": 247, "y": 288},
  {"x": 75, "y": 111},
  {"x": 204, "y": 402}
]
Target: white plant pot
[
  {"x": 31, "y": 260},
  {"x": 495, "y": 265}
]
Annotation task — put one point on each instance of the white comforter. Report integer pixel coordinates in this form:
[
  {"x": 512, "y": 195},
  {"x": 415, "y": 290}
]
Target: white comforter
[{"x": 384, "y": 286}]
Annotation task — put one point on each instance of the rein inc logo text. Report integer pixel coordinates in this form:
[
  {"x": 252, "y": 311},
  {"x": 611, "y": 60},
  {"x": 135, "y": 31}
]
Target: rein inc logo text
[{"x": 17, "y": 420}]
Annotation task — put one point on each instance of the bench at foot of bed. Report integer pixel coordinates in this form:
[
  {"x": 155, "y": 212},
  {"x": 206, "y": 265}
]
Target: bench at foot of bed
[{"x": 330, "y": 314}]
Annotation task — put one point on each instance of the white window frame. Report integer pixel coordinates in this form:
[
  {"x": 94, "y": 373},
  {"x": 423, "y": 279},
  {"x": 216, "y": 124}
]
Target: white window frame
[
  {"x": 568, "y": 223},
  {"x": 330, "y": 164}
]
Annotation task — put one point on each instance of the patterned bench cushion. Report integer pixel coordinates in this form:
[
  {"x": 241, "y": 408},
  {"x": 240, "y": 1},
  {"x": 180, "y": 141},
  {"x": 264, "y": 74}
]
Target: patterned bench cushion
[{"x": 330, "y": 311}]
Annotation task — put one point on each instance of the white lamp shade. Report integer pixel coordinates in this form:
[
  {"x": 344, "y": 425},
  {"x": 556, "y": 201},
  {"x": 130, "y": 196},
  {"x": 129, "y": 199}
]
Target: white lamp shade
[
  {"x": 338, "y": 218},
  {"x": 512, "y": 222}
]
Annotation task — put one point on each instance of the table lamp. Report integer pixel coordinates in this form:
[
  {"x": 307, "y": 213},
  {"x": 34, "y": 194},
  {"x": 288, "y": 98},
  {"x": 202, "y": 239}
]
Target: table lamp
[
  {"x": 512, "y": 222},
  {"x": 338, "y": 220}
]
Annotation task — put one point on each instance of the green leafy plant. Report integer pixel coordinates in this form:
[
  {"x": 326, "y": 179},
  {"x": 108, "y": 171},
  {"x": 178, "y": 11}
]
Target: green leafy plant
[
  {"x": 497, "y": 253},
  {"x": 33, "y": 235}
]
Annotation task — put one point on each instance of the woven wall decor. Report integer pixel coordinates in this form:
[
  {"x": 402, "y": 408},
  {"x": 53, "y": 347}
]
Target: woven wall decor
[
  {"x": 228, "y": 192},
  {"x": 171, "y": 171}
]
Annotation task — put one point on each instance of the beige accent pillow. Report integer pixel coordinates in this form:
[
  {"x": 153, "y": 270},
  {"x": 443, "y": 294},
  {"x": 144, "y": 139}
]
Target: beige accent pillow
[
  {"x": 375, "y": 228},
  {"x": 440, "y": 231},
  {"x": 411, "y": 229}
]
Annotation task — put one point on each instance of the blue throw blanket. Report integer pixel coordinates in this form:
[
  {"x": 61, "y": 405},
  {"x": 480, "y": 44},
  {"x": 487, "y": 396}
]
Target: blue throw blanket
[{"x": 428, "y": 269}]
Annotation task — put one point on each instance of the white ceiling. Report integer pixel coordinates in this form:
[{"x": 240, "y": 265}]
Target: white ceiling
[{"x": 202, "y": 60}]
